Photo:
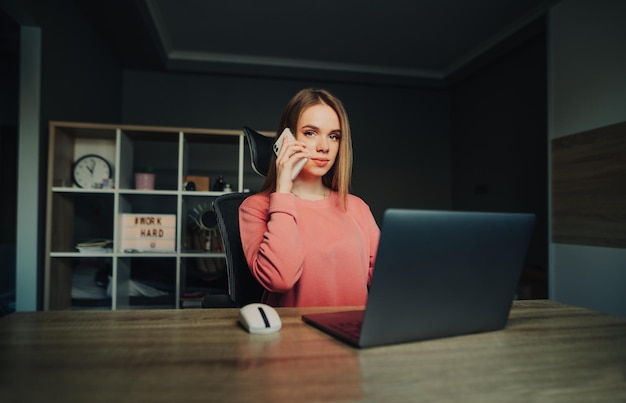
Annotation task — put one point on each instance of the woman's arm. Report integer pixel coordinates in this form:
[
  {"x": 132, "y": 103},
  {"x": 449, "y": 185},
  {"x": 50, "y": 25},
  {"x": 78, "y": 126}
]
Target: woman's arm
[
  {"x": 271, "y": 241},
  {"x": 364, "y": 217},
  {"x": 374, "y": 237}
]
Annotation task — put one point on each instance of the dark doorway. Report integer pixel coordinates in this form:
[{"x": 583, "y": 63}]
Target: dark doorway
[{"x": 9, "y": 79}]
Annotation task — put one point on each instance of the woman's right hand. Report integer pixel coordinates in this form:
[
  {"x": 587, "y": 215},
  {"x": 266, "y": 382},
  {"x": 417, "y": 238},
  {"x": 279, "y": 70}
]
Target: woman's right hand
[{"x": 289, "y": 154}]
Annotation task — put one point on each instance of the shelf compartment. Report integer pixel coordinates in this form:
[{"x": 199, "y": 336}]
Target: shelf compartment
[
  {"x": 79, "y": 282},
  {"x": 212, "y": 156},
  {"x": 199, "y": 232},
  {"x": 70, "y": 141},
  {"x": 201, "y": 275},
  {"x": 149, "y": 151},
  {"x": 145, "y": 282},
  {"x": 131, "y": 239},
  {"x": 80, "y": 217}
]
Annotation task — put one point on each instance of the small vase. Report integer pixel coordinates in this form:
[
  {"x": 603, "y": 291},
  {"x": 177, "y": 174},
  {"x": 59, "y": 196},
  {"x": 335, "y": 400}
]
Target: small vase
[{"x": 144, "y": 181}]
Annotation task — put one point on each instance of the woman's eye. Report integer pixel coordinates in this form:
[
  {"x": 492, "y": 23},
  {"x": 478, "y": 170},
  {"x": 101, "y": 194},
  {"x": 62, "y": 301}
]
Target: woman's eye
[
  {"x": 335, "y": 137},
  {"x": 309, "y": 133}
]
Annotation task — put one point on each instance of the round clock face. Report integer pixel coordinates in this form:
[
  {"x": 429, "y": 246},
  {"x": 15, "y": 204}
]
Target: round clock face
[{"x": 90, "y": 170}]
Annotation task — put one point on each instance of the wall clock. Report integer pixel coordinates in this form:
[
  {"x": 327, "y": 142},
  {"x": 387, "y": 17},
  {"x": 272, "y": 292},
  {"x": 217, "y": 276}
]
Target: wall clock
[{"x": 90, "y": 170}]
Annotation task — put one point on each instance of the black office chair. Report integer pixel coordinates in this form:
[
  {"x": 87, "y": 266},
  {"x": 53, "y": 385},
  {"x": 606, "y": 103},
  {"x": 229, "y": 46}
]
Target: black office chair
[
  {"x": 242, "y": 286},
  {"x": 260, "y": 150}
]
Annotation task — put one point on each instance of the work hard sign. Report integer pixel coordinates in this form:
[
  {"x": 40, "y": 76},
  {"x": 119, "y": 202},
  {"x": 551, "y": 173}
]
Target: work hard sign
[{"x": 148, "y": 233}]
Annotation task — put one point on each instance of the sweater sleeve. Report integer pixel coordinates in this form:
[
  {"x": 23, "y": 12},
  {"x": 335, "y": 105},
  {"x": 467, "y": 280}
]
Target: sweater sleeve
[
  {"x": 374, "y": 237},
  {"x": 363, "y": 215},
  {"x": 271, "y": 241}
]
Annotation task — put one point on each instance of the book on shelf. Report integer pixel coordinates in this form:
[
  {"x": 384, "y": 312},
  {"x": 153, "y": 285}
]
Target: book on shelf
[
  {"x": 192, "y": 299},
  {"x": 95, "y": 246}
]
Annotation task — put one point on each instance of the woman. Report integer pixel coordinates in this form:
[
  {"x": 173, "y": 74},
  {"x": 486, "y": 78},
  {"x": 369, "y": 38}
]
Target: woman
[{"x": 307, "y": 240}]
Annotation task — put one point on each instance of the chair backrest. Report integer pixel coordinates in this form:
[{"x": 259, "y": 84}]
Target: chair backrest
[
  {"x": 242, "y": 286},
  {"x": 260, "y": 150}
]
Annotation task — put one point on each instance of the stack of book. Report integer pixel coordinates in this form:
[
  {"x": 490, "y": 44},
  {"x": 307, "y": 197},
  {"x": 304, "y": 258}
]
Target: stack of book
[
  {"x": 191, "y": 299},
  {"x": 95, "y": 246}
]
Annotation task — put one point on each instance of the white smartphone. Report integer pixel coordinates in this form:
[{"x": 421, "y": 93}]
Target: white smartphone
[{"x": 300, "y": 164}]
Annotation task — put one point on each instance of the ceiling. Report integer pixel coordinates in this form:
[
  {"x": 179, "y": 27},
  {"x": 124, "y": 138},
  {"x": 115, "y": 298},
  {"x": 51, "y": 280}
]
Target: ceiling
[{"x": 403, "y": 42}]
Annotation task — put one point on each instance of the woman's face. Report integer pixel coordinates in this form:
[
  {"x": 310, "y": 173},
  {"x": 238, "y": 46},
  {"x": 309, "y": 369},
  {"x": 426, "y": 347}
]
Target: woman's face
[{"x": 319, "y": 128}]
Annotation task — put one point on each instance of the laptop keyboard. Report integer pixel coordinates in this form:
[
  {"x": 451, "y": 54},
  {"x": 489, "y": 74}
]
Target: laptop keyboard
[{"x": 349, "y": 328}]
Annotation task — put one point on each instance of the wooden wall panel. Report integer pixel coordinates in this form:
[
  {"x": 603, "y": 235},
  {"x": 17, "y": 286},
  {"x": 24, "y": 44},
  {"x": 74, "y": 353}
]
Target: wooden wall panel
[{"x": 589, "y": 187}]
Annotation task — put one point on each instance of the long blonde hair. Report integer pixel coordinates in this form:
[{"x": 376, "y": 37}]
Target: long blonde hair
[{"x": 339, "y": 176}]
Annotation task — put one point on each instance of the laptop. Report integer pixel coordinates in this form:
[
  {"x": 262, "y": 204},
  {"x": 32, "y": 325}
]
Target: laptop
[{"x": 437, "y": 274}]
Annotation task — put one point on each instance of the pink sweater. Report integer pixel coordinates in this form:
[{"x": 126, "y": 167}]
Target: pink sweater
[{"x": 309, "y": 253}]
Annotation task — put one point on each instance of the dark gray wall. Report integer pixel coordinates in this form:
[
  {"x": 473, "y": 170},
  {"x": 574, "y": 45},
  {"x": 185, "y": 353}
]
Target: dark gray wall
[
  {"x": 588, "y": 91},
  {"x": 499, "y": 138},
  {"x": 80, "y": 81},
  {"x": 9, "y": 69},
  {"x": 9, "y": 78},
  {"x": 401, "y": 136}
]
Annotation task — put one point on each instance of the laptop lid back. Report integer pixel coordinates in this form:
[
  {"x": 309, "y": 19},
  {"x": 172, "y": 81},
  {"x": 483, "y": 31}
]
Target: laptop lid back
[{"x": 444, "y": 273}]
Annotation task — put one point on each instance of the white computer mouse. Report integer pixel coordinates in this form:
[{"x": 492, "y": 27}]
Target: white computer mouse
[{"x": 259, "y": 319}]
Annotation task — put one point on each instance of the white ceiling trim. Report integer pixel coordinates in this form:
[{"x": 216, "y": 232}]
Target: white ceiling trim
[
  {"x": 177, "y": 57},
  {"x": 265, "y": 61}
]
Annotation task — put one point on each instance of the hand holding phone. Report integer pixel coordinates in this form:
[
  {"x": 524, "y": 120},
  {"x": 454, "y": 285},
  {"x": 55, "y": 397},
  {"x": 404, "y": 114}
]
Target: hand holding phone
[{"x": 299, "y": 164}]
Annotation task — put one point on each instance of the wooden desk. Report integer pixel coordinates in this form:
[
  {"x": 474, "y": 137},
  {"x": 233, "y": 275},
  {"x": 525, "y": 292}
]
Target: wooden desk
[{"x": 549, "y": 352}]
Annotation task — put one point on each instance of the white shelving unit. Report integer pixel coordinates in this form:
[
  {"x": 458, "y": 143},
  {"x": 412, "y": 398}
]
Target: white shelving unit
[{"x": 75, "y": 214}]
